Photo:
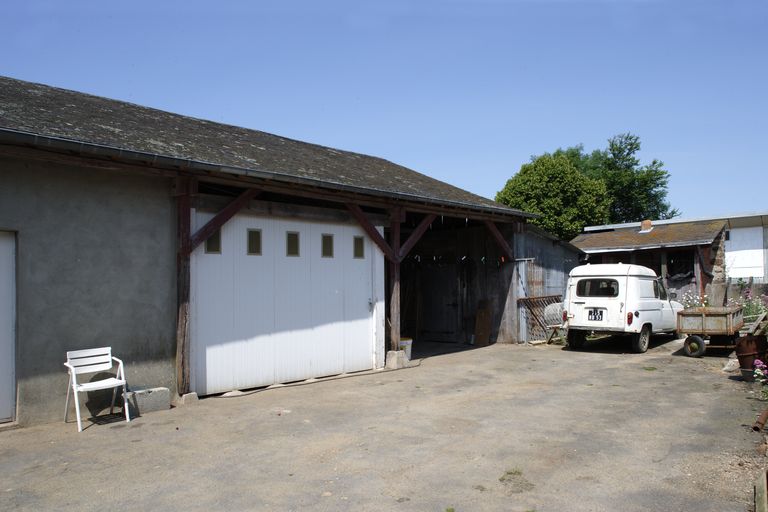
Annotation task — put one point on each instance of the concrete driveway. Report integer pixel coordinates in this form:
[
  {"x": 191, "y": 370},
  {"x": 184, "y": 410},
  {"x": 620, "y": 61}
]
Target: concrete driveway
[{"x": 512, "y": 428}]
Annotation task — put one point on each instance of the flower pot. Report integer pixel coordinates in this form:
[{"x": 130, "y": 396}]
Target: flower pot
[
  {"x": 749, "y": 348},
  {"x": 405, "y": 345}
]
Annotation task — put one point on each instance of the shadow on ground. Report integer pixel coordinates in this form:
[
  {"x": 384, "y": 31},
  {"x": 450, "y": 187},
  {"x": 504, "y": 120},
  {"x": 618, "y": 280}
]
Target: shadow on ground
[
  {"x": 423, "y": 349},
  {"x": 622, "y": 344}
]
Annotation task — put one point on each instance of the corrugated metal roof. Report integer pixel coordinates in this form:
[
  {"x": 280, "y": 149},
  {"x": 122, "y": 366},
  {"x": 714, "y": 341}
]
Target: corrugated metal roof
[
  {"x": 41, "y": 111},
  {"x": 665, "y": 235},
  {"x": 734, "y": 220}
]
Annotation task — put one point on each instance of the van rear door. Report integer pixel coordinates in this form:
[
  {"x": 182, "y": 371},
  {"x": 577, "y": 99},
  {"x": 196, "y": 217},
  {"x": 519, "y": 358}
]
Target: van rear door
[{"x": 598, "y": 302}]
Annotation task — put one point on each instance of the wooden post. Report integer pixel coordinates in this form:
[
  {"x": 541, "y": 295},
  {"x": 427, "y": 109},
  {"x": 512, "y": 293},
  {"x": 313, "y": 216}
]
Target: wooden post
[
  {"x": 184, "y": 213},
  {"x": 663, "y": 257},
  {"x": 697, "y": 273},
  {"x": 394, "y": 266}
]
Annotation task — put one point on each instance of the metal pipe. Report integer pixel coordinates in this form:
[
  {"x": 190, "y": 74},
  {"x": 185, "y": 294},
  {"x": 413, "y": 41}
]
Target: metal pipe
[{"x": 760, "y": 423}]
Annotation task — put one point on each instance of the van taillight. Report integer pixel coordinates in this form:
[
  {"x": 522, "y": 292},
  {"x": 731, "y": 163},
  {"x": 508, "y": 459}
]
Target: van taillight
[
  {"x": 629, "y": 318},
  {"x": 565, "y": 315}
]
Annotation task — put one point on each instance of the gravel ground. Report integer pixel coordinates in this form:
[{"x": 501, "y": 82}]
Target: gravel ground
[{"x": 512, "y": 428}]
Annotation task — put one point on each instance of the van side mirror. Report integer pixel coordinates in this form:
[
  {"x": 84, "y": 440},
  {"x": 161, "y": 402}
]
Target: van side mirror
[{"x": 672, "y": 295}]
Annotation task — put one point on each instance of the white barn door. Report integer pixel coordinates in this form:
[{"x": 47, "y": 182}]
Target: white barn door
[
  {"x": 7, "y": 326},
  {"x": 279, "y": 315}
]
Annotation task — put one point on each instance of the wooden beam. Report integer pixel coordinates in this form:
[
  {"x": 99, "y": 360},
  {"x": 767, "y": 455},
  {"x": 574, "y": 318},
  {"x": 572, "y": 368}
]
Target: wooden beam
[
  {"x": 222, "y": 217},
  {"x": 503, "y": 245},
  {"x": 359, "y": 198},
  {"x": 394, "y": 301},
  {"x": 369, "y": 228},
  {"x": 184, "y": 214},
  {"x": 415, "y": 236},
  {"x": 215, "y": 203}
]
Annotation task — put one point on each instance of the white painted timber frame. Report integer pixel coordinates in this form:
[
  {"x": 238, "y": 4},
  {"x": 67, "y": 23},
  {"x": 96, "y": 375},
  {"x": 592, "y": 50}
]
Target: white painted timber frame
[
  {"x": 7, "y": 326},
  {"x": 257, "y": 320}
]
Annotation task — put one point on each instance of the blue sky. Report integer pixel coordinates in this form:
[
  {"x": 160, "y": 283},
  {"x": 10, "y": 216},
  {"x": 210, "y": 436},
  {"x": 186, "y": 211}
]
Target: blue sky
[{"x": 462, "y": 90}]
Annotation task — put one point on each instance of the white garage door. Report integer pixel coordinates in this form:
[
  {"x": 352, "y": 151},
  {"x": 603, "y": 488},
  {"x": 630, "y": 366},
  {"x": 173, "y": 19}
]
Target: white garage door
[
  {"x": 283, "y": 300},
  {"x": 7, "y": 325}
]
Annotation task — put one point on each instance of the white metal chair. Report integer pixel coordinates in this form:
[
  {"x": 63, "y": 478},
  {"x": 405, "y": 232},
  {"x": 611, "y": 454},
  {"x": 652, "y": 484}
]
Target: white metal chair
[{"x": 90, "y": 361}]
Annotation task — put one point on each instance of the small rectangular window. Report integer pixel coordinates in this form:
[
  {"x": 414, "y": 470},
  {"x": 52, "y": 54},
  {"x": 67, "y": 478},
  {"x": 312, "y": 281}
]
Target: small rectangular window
[
  {"x": 292, "y": 243},
  {"x": 213, "y": 243},
  {"x": 254, "y": 242},
  {"x": 327, "y": 246},
  {"x": 358, "y": 250}
]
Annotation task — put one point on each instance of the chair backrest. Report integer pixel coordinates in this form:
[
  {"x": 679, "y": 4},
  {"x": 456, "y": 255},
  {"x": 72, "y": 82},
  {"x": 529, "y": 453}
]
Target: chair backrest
[{"x": 90, "y": 360}]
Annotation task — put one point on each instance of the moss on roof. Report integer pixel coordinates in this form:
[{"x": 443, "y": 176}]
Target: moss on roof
[{"x": 51, "y": 112}]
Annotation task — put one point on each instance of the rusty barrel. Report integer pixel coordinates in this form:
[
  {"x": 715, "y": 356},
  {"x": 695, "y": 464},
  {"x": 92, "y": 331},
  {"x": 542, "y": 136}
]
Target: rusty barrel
[{"x": 749, "y": 348}]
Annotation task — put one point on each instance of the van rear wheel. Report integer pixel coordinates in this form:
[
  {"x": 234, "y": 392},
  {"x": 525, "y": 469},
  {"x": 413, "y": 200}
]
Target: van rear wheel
[
  {"x": 576, "y": 339},
  {"x": 641, "y": 340}
]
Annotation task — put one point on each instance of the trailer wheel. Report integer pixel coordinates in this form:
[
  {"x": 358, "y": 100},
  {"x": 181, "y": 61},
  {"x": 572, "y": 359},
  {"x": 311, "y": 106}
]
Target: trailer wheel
[
  {"x": 694, "y": 346},
  {"x": 576, "y": 339},
  {"x": 641, "y": 340}
]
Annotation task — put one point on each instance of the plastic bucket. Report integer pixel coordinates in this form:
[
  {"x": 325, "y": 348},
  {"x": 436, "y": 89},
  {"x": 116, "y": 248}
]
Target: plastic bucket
[{"x": 405, "y": 345}]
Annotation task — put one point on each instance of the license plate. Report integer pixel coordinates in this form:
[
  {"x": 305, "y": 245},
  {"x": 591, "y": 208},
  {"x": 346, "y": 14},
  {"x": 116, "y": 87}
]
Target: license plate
[{"x": 595, "y": 314}]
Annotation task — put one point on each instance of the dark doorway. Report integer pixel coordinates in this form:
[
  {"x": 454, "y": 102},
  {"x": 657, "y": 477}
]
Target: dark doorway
[{"x": 439, "y": 284}]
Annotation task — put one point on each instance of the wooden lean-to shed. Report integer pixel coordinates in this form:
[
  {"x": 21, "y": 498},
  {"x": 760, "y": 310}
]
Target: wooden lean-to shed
[
  {"x": 688, "y": 255},
  {"x": 213, "y": 257}
]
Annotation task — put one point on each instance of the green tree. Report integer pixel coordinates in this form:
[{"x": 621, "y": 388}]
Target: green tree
[
  {"x": 554, "y": 188},
  {"x": 637, "y": 191}
]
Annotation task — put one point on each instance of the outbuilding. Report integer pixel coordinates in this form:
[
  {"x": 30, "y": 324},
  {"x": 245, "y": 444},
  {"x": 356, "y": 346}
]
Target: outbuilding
[
  {"x": 213, "y": 257},
  {"x": 690, "y": 254}
]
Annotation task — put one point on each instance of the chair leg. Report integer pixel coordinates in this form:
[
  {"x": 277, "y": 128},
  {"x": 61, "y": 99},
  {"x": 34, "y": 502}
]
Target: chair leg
[
  {"x": 66, "y": 406},
  {"x": 125, "y": 405},
  {"x": 112, "y": 405},
  {"x": 77, "y": 410}
]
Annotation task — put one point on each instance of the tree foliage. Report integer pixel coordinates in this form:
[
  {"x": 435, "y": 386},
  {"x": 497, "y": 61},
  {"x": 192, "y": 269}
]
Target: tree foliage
[
  {"x": 552, "y": 187},
  {"x": 637, "y": 191},
  {"x": 634, "y": 192}
]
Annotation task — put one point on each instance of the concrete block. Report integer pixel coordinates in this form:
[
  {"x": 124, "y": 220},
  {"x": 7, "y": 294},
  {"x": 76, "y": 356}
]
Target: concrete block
[
  {"x": 396, "y": 359},
  {"x": 142, "y": 401},
  {"x": 188, "y": 399}
]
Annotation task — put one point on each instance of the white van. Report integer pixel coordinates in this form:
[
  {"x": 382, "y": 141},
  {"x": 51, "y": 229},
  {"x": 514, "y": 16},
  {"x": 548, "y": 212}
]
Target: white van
[{"x": 617, "y": 298}]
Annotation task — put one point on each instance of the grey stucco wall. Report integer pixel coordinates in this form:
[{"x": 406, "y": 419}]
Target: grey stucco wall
[{"x": 95, "y": 267}]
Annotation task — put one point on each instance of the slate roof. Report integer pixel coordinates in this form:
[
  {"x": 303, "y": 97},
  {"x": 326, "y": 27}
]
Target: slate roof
[
  {"x": 666, "y": 235},
  {"x": 44, "y": 113}
]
